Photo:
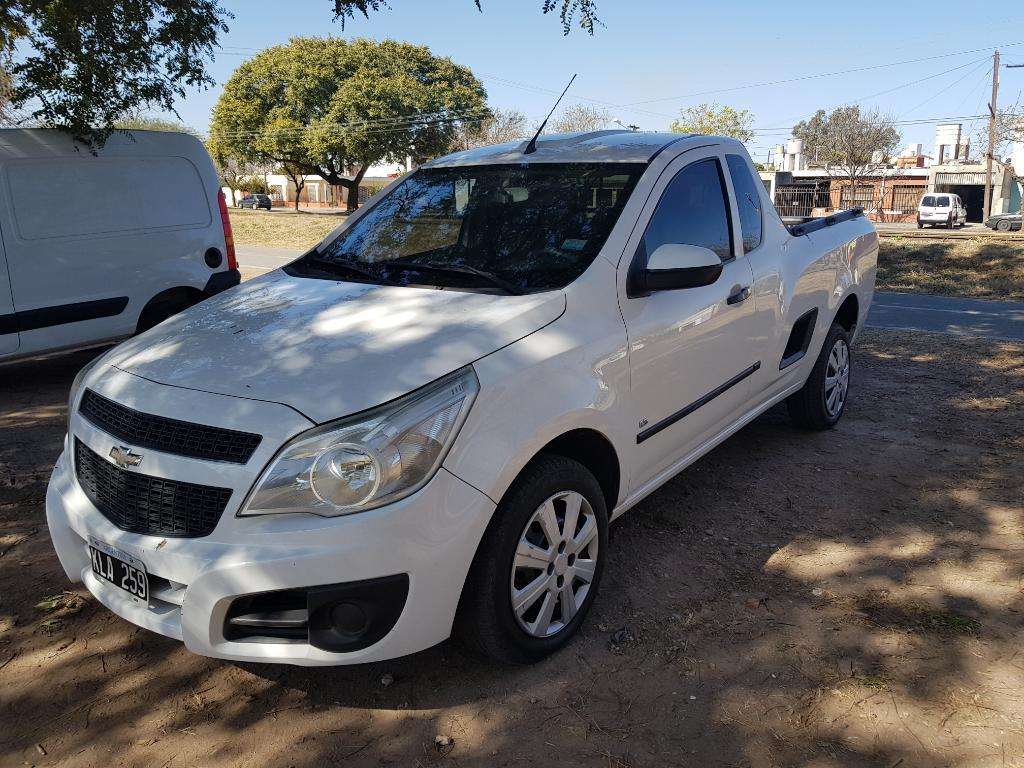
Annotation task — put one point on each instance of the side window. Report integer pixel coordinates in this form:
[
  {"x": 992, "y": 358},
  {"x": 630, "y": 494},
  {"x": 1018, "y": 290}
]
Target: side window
[
  {"x": 747, "y": 200},
  {"x": 693, "y": 210}
]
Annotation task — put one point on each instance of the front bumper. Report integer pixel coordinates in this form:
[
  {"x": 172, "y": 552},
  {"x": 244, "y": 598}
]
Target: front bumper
[{"x": 431, "y": 536}]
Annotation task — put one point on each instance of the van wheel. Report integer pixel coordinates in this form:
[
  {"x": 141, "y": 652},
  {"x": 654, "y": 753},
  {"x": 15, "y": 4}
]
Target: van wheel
[
  {"x": 949, "y": 222},
  {"x": 822, "y": 400},
  {"x": 919, "y": 224},
  {"x": 538, "y": 567}
]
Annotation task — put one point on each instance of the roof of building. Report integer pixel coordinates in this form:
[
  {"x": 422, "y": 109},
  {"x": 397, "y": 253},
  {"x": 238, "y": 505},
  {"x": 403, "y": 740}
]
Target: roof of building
[{"x": 614, "y": 146}]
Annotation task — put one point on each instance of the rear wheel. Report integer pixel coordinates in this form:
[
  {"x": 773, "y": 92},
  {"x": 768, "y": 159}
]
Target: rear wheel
[
  {"x": 949, "y": 222},
  {"x": 822, "y": 400},
  {"x": 919, "y": 224},
  {"x": 1003, "y": 225},
  {"x": 538, "y": 567}
]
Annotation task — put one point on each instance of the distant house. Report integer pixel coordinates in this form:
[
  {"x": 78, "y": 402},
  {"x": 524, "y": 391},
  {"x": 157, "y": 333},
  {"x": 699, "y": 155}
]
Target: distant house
[
  {"x": 317, "y": 193},
  {"x": 894, "y": 190}
]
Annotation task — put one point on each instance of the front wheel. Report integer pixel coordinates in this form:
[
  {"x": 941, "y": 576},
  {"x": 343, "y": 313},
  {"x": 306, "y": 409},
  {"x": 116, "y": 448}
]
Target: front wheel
[
  {"x": 822, "y": 400},
  {"x": 538, "y": 567},
  {"x": 919, "y": 224},
  {"x": 1003, "y": 225}
]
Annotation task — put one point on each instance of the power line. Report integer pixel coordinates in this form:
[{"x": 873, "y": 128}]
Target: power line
[
  {"x": 802, "y": 78},
  {"x": 956, "y": 82}
]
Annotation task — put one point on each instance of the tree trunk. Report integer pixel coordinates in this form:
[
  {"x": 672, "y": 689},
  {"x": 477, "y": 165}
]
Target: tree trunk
[{"x": 352, "y": 189}]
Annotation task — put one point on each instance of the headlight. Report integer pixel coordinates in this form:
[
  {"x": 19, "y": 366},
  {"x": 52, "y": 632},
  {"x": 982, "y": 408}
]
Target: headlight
[{"x": 367, "y": 460}]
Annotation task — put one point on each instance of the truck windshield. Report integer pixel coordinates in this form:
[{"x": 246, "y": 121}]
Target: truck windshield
[{"x": 495, "y": 228}]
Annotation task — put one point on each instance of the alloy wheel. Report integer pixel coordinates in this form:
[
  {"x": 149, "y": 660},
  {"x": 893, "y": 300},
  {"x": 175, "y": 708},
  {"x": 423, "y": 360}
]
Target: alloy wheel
[
  {"x": 554, "y": 564},
  {"x": 837, "y": 378}
]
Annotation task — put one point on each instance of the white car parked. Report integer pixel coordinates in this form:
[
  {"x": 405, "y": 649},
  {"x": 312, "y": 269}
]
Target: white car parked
[
  {"x": 97, "y": 247},
  {"x": 426, "y": 423},
  {"x": 941, "y": 209}
]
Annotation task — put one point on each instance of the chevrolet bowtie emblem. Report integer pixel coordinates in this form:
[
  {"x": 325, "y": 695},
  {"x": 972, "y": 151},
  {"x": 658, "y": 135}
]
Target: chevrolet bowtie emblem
[{"x": 124, "y": 458}]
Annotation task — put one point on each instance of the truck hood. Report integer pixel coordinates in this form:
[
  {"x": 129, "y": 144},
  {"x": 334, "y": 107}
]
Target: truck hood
[{"x": 329, "y": 349}]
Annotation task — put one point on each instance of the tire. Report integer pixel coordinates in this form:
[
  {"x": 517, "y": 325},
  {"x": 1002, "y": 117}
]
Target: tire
[
  {"x": 1003, "y": 225},
  {"x": 810, "y": 408},
  {"x": 919, "y": 224},
  {"x": 949, "y": 222},
  {"x": 487, "y": 622}
]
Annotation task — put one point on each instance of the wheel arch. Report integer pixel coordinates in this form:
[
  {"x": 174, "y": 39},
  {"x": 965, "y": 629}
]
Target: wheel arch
[
  {"x": 848, "y": 314},
  {"x": 177, "y": 298},
  {"x": 595, "y": 452}
]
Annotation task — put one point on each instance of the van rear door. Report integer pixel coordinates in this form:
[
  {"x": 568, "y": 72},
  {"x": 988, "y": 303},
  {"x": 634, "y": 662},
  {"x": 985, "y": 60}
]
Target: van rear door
[{"x": 8, "y": 319}]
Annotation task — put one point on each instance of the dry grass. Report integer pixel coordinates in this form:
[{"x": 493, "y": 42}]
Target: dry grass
[
  {"x": 979, "y": 267},
  {"x": 281, "y": 230}
]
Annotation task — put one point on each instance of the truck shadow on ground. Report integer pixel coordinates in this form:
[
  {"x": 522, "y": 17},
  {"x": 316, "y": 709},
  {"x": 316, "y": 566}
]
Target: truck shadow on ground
[{"x": 845, "y": 598}]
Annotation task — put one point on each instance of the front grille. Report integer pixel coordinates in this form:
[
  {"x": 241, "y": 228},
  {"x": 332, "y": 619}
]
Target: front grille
[
  {"x": 182, "y": 438},
  {"x": 149, "y": 505}
]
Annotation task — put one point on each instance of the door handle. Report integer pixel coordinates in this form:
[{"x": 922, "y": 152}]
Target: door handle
[{"x": 740, "y": 295}]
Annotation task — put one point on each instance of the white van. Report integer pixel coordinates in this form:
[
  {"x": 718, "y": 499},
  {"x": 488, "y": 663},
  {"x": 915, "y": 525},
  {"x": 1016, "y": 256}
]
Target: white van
[
  {"x": 943, "y": 209},
  {"x": 97, "y": 247}
]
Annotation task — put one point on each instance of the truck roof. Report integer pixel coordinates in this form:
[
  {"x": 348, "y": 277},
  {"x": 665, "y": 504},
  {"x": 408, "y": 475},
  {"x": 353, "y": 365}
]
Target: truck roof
[{"x": 613, "y": 146}]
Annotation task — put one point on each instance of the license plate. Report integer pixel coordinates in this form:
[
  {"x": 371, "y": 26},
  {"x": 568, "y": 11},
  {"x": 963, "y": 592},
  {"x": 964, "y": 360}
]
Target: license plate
[{"x": 120, "y": 569}]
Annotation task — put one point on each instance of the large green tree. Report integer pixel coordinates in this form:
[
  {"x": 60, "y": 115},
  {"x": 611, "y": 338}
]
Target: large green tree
[
  {"x": 713, "y": 120},
  {"x": 83, "y": 65},
  {"x": 333, "y": 108}
]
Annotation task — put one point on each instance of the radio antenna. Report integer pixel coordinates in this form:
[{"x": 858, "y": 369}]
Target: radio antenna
[{"x": 532, "y": 146}]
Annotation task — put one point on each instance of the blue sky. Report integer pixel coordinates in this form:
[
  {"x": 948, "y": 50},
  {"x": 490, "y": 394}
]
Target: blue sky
[{"x": 653, "y": 57}]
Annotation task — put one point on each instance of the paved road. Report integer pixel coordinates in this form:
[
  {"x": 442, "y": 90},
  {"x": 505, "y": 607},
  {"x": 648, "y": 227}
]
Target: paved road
[
  {"x": 945, "y": 314},
  {"x": 257, "y": 259},
  {"x": 906, "y": 311}
]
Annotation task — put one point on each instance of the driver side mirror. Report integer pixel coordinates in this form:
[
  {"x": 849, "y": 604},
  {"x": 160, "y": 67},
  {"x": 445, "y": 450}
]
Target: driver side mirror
[{"x": 673, "y": 266}]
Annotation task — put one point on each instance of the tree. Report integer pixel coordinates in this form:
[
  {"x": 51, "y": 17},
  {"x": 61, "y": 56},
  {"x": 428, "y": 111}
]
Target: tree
[
  {"x": 579, "y": 118},
  {"x": 363, "y": 103},
  {"x": 850, "y": 143},
  {"x": 713, "y": 120},
  {"x": 83, "y": 65},
  {"x": 150, "y": 123},
  {"x": 502, "y": 125},
  {"x": 567, "y": 11},
  {"x": 812, "y": 133},
  {"x": 298, "y": 180},
  {"x": 254, "y": 185}
]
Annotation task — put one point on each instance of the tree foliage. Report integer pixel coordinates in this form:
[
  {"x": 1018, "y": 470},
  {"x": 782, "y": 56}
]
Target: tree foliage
[
  {"x": 153, "y": 123},
  {"x": 582, "y": 13},
  {"x": 848, "y": 142},
  {"x": 82, "y": 65},
  {"x": 580, "y": 119},
  {"x": 713, "y": 120},
  {"x": 333, "y": 108},
  {"x": 500, "y": 126}
]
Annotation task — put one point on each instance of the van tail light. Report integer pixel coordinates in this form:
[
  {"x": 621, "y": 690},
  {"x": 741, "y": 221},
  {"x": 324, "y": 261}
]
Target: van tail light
[{"x": 229, "y": 239}]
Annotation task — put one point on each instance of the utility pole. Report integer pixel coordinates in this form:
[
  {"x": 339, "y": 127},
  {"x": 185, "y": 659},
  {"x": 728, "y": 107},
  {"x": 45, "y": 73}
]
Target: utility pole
[{"x": 987, "y": 205}]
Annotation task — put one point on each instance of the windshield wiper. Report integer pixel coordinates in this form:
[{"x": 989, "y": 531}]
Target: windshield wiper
[
  {"x": 343, "y": 268},
  {"x": 461, "y": 269}
]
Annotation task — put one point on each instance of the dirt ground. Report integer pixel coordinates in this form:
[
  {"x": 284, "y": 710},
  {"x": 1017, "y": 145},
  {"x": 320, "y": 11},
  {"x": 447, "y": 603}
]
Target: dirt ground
[{"x": 852, "y": 598}]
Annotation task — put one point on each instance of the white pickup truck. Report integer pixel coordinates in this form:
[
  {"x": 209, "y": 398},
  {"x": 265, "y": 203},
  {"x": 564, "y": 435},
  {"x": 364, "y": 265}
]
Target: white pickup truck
[{"x": 425, "y": 424}]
